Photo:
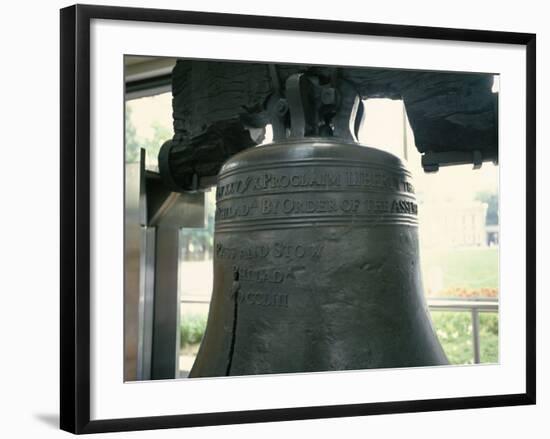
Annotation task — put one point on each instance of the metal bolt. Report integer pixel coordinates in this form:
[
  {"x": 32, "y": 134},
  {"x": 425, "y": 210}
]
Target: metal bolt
[
  {"x": 281, "y": 107},
  {"x": 328, "y": 96}
]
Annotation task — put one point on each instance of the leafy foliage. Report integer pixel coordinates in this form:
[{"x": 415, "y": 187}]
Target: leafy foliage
[
  {"x": 454, "y": 330},
  {"x": 488, "y": 335},
  {"x": 132, "y": 144},
  {"x": 192, "y": 329},
  {"x": 161, "y": 133}
]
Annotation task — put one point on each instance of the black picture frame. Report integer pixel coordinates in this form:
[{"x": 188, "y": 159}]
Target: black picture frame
[{"x": 75, "y": 217}]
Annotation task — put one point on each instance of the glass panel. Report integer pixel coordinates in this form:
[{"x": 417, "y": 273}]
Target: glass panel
[
  {"x": 488, "y": 337},
  {"x": 454, "y": 329},
  {"x": 196, "y": 281},
  {"x": 458, "y": 209},
  {"x": 384, "y": 125},
  {"x": 148, "y": 126},
  {"x": 458, "y": 216},
  {"x": 459, "y": 233}
]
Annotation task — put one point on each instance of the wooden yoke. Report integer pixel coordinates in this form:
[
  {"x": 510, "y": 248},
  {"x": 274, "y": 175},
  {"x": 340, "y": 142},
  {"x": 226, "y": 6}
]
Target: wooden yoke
[{"x": 221, "y": 108}]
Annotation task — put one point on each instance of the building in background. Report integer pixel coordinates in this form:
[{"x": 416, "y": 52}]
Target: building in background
[{"x": 453, "y": 223}]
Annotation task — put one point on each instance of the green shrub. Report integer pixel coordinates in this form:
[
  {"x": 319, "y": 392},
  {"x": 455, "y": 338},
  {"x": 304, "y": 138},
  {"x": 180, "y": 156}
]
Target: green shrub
[
  {"x": 454, "y": 330},
  {"x": 192, "y": 329},
  {"x": 488, "y": 335}
]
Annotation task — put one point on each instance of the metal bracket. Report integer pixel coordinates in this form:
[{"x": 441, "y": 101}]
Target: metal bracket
[{"x": 311, "y": 107}]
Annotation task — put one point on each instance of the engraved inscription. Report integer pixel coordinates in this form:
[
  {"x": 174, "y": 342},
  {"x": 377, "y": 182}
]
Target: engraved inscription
[
  {"x": 274, "y": 250},
  {"x": 273, "y": 181},
  {"x": 376, "y": 179},
  {"x": 291, "y": 205},
  {"x": 237, "y": 209},
  {"x": 404, "y": 206},
  {"x": 280, "y": 206},
  {"x": 276, "y": 275},
  {"x": 264, "y": 275},
  {"x": 263, "y": 299},
  {"x": 304, "y": 179},
  {"x": 377, "y": 206}
]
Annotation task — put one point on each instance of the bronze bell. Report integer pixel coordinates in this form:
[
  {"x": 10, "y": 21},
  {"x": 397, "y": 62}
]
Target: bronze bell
[{"x": 316, "y": 264}]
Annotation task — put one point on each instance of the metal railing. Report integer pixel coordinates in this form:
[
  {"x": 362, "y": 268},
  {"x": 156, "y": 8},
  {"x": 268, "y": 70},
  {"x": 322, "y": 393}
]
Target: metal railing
[{"x": 474, "y": 307}]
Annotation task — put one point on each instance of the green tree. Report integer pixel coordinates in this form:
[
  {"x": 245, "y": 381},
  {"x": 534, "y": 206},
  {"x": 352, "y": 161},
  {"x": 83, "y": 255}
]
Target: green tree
[
  {"x": 161, "y": 133},
  {"x": 130, "y": 137}
]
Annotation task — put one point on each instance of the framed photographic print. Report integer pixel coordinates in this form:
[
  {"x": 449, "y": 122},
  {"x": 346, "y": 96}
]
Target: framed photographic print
[{"x": 304, "y": 218}]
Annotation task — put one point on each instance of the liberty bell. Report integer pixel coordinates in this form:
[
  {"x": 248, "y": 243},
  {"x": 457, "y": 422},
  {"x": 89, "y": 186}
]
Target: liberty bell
[{"x": 316, "y": 253}]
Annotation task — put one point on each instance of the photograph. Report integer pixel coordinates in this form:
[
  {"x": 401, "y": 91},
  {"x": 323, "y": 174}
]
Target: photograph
[
  {"x": 296, "y": 218},
  {"x": 270, "y": 218}
]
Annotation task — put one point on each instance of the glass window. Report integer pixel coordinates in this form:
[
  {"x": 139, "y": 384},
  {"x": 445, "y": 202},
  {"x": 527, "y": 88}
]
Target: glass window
[
  {"x": 148, "y": 126},
  {"x": 458, "y": 229},
  {"x": 458, "y": 216},
  {"x": 196, "y": 282}
]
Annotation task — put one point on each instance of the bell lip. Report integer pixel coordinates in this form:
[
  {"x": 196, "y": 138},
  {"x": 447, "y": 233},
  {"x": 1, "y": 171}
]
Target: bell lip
[{"x": 311, "y": 148}]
